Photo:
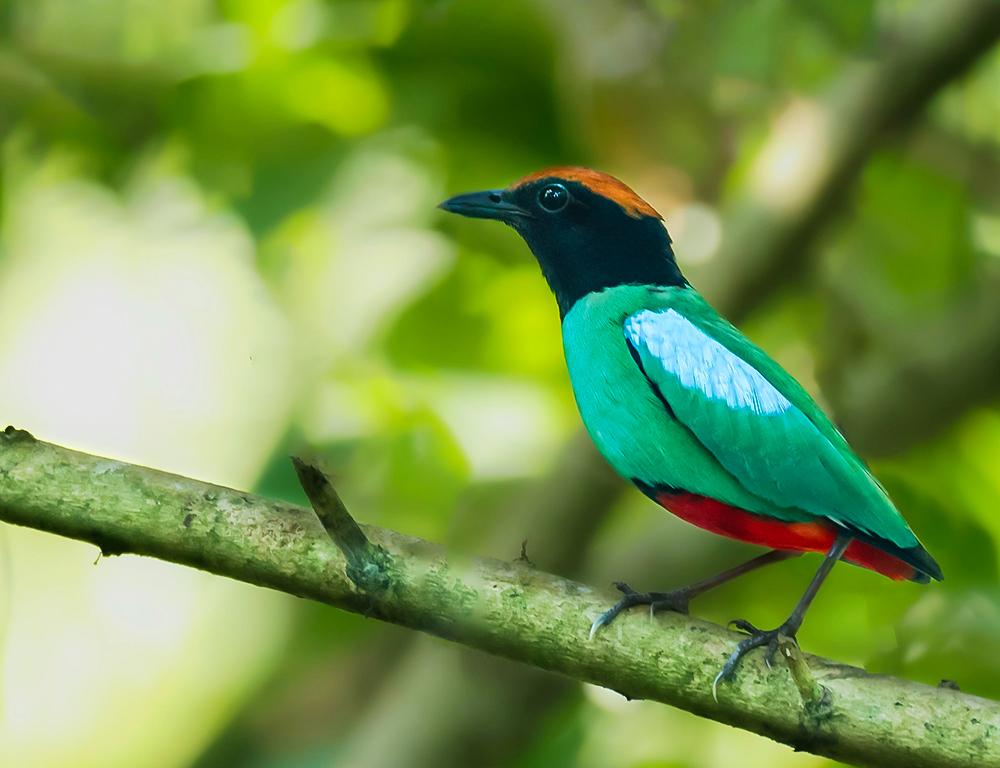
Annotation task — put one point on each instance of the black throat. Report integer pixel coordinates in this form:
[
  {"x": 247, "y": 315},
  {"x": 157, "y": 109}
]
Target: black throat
[{"x": 598, "y": 245}]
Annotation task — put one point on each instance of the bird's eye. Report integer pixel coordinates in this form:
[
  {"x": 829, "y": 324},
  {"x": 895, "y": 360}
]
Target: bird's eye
[{"x": 553, "y": 197}]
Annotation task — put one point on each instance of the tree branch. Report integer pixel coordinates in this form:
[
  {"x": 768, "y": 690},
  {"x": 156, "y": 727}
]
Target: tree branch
[
  {"x": 830, "y": 142},
  {"x": 881, "y": 373},
  {"x": 502, "y": 608}
]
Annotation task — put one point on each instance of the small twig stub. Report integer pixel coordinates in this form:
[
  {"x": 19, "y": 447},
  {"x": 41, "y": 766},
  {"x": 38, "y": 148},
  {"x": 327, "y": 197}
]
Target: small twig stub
[{"x": 368, "y": 565}]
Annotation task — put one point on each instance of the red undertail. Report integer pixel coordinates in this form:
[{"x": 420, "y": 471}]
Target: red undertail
[{"x": 817, "y": 536}]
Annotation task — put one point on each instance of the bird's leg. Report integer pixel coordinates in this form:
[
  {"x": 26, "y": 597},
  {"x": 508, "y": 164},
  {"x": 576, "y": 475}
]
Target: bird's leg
[
  {"x": 677, "y": 599},
  {"x": 790, "y": 627}
]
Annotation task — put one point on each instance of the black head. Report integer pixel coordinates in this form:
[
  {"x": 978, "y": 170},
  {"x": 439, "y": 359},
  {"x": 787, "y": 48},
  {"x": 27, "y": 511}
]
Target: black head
[{"x": 587, "y": 229}]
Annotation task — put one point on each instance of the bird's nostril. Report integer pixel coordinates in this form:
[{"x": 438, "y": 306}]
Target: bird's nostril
[{"x": 494, "y": 197}]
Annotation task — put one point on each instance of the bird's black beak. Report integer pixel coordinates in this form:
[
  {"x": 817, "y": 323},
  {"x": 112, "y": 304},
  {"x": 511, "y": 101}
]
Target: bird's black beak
[{"x": 484, "y": 205}]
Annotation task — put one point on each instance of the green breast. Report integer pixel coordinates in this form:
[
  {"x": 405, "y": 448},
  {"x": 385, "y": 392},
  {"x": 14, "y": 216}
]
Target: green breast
[{"x": 627, "y": 421}]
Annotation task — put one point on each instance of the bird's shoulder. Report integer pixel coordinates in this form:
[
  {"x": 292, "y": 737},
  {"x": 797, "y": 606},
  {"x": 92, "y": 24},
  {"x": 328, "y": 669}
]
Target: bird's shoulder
[{"x": 681, "y": 320}]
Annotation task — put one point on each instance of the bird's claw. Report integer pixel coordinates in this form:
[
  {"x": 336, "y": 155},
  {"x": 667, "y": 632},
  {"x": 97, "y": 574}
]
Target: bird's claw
[
  {"x": 598, "y": 623},
  {"x": 676, "y": 601},
  {"x": 759, "y": 638},
  {"x": 744, "y": 626}
]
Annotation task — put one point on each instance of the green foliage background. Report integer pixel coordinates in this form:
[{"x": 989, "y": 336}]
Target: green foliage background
[{"x": 219, "y": 244}]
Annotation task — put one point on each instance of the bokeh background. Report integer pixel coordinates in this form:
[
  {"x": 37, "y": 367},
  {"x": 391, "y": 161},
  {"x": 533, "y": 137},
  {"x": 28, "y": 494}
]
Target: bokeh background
[{"x": 219, "y": 245}]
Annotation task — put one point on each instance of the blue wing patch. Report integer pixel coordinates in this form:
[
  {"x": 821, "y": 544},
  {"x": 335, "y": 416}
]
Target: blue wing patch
[{"x": 700, "y": 362}]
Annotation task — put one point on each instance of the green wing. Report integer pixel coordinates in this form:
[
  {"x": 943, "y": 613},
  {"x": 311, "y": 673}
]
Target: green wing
[{"x": 756, "y": 419}]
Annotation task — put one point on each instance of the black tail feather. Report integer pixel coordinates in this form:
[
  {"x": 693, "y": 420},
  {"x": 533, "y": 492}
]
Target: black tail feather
[{"x": 925, "y": 565}]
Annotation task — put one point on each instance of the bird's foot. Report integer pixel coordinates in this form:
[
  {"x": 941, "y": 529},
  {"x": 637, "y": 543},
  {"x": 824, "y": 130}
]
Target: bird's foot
[
  {"x": 676, "y": 601},
  {"x": 759, "y": 638}
]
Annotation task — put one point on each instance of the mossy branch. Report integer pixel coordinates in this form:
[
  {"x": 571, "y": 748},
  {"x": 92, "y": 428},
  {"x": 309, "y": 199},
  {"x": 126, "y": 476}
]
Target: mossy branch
[{"x": 503, "y": 608}]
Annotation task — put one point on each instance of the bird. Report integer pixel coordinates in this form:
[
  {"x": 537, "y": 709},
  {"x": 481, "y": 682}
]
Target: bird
[{"x": 689, "y": 410}]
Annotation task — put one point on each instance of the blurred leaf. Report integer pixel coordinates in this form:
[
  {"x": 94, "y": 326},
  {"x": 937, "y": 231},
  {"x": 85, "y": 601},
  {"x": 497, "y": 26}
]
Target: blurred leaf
[
  {"x": 559, "y": 740},
  {"x": 278, "y": 479},
  {"x": 913, "y": 232}
]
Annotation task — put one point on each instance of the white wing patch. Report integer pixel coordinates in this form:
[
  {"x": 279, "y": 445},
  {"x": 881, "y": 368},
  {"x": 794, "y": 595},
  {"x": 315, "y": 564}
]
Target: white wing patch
[{"x": 700, "y": 362}]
